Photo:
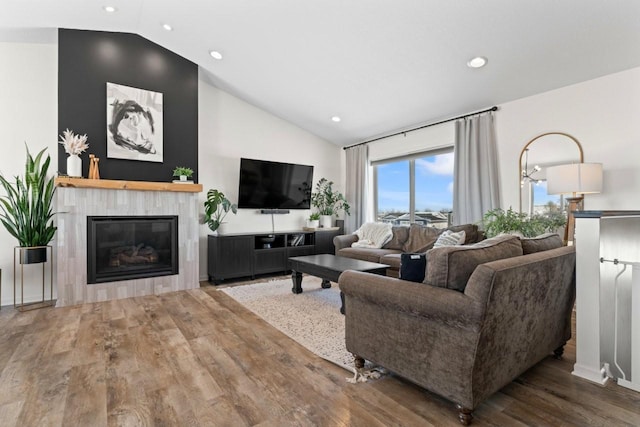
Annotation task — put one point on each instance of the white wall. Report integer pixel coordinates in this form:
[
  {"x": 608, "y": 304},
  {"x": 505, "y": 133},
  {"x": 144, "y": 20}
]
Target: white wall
[
  {"x": 229, "y": 129},
  {"x": 28, "y": 113},
  {"x": 603, "y": 114}
]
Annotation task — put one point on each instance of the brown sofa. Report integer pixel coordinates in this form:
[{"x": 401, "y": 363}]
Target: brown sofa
[
  {"x": 473, "y": 326},
  {"x": 413, "y": 239}
]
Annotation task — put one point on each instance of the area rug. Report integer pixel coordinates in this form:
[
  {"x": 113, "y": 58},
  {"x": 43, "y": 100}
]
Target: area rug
[{"x": 311, "y": 318}]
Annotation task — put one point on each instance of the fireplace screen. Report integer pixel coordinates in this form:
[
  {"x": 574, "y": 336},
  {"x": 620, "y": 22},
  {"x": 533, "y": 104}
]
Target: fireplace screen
[{"x": 131, "y": 247}]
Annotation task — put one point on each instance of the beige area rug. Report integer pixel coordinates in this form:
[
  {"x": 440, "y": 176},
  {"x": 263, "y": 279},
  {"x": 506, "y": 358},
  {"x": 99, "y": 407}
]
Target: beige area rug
[{"x": 311, "y": 318}]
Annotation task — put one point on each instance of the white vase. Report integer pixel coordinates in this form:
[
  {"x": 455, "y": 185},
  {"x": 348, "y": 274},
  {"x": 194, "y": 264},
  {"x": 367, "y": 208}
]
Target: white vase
[
  {"x": 221, "y": 228},
  {"x": 183, "y": 178},
  {"x": 74, "y": 166},
  {"x": 326, "y": 221},
  {"x": 313, "y": 223}
]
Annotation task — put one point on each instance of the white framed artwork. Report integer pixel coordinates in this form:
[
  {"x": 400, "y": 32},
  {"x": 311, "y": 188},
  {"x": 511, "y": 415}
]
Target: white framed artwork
[{"x": 134, "y": 124}]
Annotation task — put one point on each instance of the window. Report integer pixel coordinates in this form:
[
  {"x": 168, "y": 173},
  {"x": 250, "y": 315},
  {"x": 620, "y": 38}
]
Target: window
[{"x": 416, "y": 189}]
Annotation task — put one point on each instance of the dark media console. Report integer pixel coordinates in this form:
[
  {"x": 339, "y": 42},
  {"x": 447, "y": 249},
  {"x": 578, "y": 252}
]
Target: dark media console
[{"x": 249, "y": 254}]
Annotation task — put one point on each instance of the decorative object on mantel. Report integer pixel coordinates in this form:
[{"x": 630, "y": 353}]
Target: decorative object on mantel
[
  {"x": 216, "y": 208},
  {"x": 94, "y": 172},
  {"x": 26, "y": 213},
  {"x": 74, "y": 145},
  {"x": 328, "y": 202},
  {"x": 576, "y": 179},
  {"x": 184, "y": 174}
]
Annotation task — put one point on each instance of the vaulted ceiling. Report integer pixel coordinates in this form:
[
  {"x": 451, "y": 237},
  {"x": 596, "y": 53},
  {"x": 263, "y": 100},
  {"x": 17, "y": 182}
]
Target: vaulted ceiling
[{"x": 380, "y": 65}]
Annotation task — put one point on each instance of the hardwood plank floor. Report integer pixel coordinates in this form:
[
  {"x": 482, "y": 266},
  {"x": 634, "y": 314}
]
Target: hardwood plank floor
[{"x": 198, "y": 358}]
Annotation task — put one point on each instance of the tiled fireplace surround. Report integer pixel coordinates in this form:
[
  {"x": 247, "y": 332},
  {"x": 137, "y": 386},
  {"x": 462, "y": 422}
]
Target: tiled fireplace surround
[{"x": 77, "y": 199}]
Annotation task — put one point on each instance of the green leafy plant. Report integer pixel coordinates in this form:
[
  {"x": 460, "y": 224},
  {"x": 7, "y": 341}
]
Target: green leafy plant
[
  {"x": 327, "y": 201},
  {"x": 314, "y": 216},
  {"x": 216, "y": 208},
  {"x": 27, "y": 206},
  {"x": 499, "y": 221},
  {"x": 181, "y": 170}
]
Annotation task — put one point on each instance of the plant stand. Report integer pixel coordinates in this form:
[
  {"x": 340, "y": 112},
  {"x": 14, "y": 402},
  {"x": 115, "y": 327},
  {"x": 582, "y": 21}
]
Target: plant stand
[{"x": 18, "y": 255}]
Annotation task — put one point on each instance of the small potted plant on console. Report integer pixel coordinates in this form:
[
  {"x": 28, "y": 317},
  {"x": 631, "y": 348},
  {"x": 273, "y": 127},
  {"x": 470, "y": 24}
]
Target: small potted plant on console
[
  {"x": 314, "y": 220},
  {"x": 328, "y": 202},
  {"x": 183, "y": 173}
]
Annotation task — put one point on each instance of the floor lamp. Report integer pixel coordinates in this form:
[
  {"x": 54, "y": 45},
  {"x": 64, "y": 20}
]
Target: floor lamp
[{"x": 576, "y": 179}]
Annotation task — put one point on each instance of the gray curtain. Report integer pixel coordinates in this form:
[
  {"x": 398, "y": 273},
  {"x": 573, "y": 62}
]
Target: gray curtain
[
  {"x": 476, "y": 180},
  {"x": 357, "y": 191}
]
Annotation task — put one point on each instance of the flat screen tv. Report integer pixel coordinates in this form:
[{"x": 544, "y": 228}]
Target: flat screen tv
[{"x": 274, "y": 185}]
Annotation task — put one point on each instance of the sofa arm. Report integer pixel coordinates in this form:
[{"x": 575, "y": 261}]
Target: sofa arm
[
  {"x": 344, "y": 241},
  {"x": 417, "y": 299}
]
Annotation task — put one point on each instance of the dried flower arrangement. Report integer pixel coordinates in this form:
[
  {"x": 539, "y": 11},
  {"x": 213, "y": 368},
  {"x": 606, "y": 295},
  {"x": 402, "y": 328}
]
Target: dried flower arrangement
[{"x": 73, "y": 144}]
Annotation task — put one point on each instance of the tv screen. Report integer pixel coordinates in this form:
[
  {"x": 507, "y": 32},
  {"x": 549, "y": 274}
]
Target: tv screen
[{"x": 274, "y": 185}]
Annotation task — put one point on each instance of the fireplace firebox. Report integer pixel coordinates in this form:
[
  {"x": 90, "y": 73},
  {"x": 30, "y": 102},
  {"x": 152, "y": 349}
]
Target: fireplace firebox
[{"x": 131, "y": 247}]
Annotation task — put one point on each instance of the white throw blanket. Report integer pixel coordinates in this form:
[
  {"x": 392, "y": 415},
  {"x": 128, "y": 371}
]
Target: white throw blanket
[{"x": 373, "y": 235}]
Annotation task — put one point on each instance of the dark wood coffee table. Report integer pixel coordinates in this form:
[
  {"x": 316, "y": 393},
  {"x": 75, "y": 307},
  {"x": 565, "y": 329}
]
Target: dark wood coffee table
[{"x": 329, "y": 268}]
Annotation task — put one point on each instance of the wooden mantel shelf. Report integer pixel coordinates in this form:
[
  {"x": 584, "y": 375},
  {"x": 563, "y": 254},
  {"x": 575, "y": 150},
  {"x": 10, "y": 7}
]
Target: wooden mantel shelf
[{"x": 111, "y": 184}]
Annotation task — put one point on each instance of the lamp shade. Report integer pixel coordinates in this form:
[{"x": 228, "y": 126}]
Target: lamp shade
[{"x": 582, "y": 178}]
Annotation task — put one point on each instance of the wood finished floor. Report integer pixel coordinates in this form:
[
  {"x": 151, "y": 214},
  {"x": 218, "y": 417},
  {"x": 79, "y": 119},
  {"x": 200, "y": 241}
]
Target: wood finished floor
[{"x": 197, "y": 357}]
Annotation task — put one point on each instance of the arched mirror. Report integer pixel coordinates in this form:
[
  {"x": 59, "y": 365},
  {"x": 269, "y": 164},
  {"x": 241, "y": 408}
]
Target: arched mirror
[{"x": 548, "y": 149}]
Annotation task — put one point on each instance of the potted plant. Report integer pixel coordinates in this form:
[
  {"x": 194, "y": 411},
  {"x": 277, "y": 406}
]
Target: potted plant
[
  {"x": 328, "y": 202},
  {"x": 183, "y": 173},
  {"x": 314, "y": 220},
  {"x": 216, "y": 208},
  {"x": 26, "y": 209},
  {"x": 498, "y": 221}
]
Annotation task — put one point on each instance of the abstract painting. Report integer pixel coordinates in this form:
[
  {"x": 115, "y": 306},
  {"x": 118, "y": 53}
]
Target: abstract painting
[{"x": 134, "y": 124}]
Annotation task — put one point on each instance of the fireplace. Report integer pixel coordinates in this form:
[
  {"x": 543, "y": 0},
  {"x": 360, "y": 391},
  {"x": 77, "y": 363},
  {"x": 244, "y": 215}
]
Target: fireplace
[{"x": 131, "y": 247}]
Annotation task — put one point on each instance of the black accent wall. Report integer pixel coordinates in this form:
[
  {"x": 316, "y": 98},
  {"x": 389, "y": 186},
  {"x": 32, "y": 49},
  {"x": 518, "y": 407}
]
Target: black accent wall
[{"x": 87, "y": 60}]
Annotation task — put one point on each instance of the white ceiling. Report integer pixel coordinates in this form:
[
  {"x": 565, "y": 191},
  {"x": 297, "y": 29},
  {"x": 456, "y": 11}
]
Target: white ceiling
[{"x": 381, "y": 65}]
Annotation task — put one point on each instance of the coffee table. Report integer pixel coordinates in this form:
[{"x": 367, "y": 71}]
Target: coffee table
[{"x": 329, "y": 268}]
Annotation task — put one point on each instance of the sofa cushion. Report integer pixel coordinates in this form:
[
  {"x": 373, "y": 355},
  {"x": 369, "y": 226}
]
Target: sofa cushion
[
  {"x": 412, "y": 267},
  {"x": 543, "y": 242},
  {"x": 449, "y": 238},
  {"x": 367, "y": 254},
  {"x": 399, "y": 238},
  {"x": 472, "y": 234},
  {"x": 421, "y": 238},
  {"x": 450, "y": 267}
]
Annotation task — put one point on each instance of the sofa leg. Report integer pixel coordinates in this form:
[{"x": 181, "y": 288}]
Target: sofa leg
[
  {"x": 558, "y": 352},
  {"x": 358, "y": 361},
  {"x": 464, "y": 415}
]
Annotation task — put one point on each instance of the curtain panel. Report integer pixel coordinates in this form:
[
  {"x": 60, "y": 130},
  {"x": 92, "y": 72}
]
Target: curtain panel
[
  {"x": 476, "y": 180},
  {"x": 357, "y": 187}
]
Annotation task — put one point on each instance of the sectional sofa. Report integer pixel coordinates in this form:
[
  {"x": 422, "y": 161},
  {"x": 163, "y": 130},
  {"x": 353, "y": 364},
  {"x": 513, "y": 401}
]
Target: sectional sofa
[{"x": 413, "y": 239}]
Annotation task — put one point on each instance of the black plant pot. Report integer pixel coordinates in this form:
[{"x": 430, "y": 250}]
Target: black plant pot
[{"x": 33, "y": 255}]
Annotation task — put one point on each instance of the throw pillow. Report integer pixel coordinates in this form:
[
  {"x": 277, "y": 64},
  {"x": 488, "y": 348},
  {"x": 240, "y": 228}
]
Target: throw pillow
[
  {"x": 421, "y": 239},
  {"x": 543, "y": 242},
  {"x": 400, "y": 236},
  {"x": 449, "y": 238},
  {"x": 451, "y": 266},
  {"x": 412, "y": 267}
]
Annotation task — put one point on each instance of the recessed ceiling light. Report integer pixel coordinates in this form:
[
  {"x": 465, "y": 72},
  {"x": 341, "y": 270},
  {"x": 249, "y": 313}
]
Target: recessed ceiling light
[
  {"x": 215, "y": 54},
  {"x": 336, "y": 119},
  {"x": 477, "y": 62},
  {"x": 167, "y": 27},
  {"x": 109, "y": 9}
]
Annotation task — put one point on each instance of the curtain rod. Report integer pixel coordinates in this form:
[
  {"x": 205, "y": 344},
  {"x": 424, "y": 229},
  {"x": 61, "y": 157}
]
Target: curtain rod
[{"x": 494, "y": 108}]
